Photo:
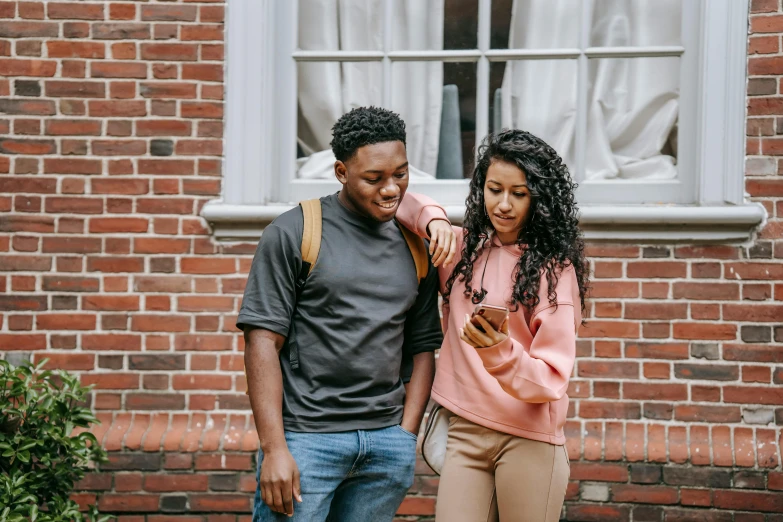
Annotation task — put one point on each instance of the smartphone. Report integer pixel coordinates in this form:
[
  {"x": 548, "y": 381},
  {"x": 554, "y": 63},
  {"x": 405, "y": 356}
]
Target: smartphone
[{"x": 494, "y": 315}]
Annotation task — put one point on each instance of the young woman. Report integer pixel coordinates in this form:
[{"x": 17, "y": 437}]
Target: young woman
[{"x": 521, "y": 248}]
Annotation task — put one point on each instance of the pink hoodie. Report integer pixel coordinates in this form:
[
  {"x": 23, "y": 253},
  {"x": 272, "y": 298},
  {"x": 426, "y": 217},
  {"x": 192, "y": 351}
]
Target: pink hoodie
[{"x": 519, "y": 385}]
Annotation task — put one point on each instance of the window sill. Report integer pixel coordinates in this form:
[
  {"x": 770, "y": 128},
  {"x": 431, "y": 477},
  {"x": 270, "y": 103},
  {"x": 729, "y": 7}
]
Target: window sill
[{"x": 630, "y": 223}]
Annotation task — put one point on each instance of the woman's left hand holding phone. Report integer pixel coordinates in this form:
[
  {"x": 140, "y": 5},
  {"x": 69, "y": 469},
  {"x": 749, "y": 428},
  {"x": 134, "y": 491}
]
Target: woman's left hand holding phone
[{"x": 472, "y": 335}]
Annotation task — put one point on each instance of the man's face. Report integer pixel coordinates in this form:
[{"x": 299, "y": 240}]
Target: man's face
[{"x": 374, "y": 179}]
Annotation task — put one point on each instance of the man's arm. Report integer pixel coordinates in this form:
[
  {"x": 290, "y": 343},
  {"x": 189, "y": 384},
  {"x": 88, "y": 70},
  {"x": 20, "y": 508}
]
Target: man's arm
[
  {"x": 417, "y": 391},
  {"x": 279, "y": 482},
  {"x": 423, "y": 335}
]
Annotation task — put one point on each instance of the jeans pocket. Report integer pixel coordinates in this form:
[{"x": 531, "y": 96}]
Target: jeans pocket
[{"x": 406, "y": 432}]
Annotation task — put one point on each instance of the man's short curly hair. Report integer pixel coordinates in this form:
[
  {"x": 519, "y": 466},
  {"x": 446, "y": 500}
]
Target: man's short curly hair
[{"x": 365, "y": 126}]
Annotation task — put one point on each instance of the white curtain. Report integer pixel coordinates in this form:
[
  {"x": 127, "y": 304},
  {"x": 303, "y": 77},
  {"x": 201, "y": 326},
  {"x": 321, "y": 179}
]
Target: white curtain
[
  {"x": 328, "y": 90},
  {"x": 632, "y": 102}
]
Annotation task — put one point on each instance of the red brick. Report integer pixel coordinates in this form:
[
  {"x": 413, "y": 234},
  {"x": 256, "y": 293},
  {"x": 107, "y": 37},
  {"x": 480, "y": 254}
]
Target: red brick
[
  {"x": 71, "y": 11},
  {"x": 202, "y": 342},
  {"x": 27, "y": 146},
  {"x": 201, "y": 382},
  {"x": 119, "y": 147},
  {"x": 166, "y": 167},
  {"x": 696, "y": 497},
  {"x": 117, "y": 225},
  {"x": 70, "y": 284},
  {"x": 767, "y": 456},
  {"x": 161, "y": 246},
  {"x": 127, "y": 186},
  {"x": 72, "y": 166},
  {"x": 656, "y": 311},
  {"x": 212, "y": 13},
  {"x": 203, "y": 71},
  {"x": 66, "y": 49},
  {"x": 169, "y": 51},
  {"x": 134, "y": 502},
  {"x": 114, "y": 342},
  {"x": 764, "y": 187},
  {"x": 110, "y": 303},
  {"x": 611, "y": 329},
  {"x": 22, "y": 342},
  {"x": 609, "y": 410},
  {"x": 662, "y": 269},
  {"x": 748, "y": 500},
  {"x": 160, "y": 323},
  {"x": 114, "y": 264},
  {"x": 175, "y": 483},
  {"x": 200, "y": 147},
  {"x": 212, "y": 52},
  {"x": 613, "y": 289},
  {"x": 223, "y": 503},
  {"x": 164, "y": 206},
  {"x": 764, "y": 6},
  {"x": 28, "y": 30},
  {"x": 65, "y": 321},
  {"x": 168, "y": 90},
  {"x": 753, "y": 312},
  {"x": 73, "y": 128},
  {"x": 120, "y": 31},
  {"x": 706, "y": 291},
  {"x": 705, "y": 331},
  {"x": 119, "y": 11},
  {"x": 202, "y": 32},
  {"x": 165, "y": 128},
  {"x": 116, "y": 69},
  {"x": 207, "y": 110},
  {"x": 75, "y": 89},
  {"x": 713, "y": 414},
  {"x": 117, "y": 108},
  {"x": 655, "y": 392},
  {"x": 169, "y": 13},
  {"x": 753, "y": 395},
  {"x": 65, "y": 244}
]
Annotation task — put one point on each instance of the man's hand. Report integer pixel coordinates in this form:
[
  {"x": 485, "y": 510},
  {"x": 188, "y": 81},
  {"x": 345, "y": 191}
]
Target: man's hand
[
  {"x": 443, "y": 242},
  {"x": 279, "y": 482}
]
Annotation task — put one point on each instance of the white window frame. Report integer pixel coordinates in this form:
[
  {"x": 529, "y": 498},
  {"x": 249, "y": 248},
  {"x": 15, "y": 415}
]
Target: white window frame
[{"x": 706, "y": 203}]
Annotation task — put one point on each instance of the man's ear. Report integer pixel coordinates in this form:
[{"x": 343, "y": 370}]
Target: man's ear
[{"x": 340, "y": 172}]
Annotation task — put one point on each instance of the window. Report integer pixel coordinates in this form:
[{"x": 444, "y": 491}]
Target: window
[{"x": 620, "y": 88}]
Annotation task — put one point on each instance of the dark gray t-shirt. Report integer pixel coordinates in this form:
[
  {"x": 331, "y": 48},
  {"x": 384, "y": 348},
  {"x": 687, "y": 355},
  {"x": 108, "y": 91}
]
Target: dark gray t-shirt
[{"x": 361, "y": 312}]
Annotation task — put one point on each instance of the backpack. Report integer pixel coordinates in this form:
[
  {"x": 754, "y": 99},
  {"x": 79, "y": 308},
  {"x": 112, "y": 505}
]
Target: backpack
[{"x": 311, "y": 246}]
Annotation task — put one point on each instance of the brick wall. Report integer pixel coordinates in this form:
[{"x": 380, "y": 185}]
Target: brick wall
[{"x": 110, "y": 143}]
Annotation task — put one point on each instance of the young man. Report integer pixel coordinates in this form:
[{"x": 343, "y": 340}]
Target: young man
[{"x": 338, "y": 433}]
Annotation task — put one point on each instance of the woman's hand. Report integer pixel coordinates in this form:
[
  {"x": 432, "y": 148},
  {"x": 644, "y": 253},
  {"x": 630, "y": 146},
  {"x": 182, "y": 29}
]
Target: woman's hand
[
  {"x": 478, "y": 339},
  {"x": 443, "y": 241}
]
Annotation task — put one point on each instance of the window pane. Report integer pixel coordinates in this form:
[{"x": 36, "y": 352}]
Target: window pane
[
  {"x": 633, "y": 105},
  {"x": 535, "y": 24},
  {"x": 423, "y": 25},
  {"x": 438, "y": 103},
  {"x": 538, "y": 96},
  {"x": 636, "y": 23},
  {"x": 326, "y": 91},
  {"x": 347, "y": 25}
]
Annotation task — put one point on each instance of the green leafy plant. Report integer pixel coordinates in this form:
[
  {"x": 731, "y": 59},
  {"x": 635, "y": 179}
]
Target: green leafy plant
[{"x": 40, "y": 458}]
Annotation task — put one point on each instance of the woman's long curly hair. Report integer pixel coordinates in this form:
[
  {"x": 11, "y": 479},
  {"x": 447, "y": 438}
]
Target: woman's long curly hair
[{"x": 551, "y": 236}]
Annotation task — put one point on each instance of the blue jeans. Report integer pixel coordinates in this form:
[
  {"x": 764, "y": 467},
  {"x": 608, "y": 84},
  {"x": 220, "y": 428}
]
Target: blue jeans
[{"x": 351, "y": 476}]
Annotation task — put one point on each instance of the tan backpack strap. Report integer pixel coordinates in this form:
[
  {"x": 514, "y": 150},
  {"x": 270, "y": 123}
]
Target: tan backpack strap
[
  {"x": 418, "y": 251},
  {"x": 311, "y": 234}
]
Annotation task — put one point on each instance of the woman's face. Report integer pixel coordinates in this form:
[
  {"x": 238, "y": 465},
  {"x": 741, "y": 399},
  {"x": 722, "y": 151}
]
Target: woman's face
[{"x": 507, "y": 199}]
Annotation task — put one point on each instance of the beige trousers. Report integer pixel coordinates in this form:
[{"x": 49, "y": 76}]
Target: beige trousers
[{"x": 490, "y": 476}]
